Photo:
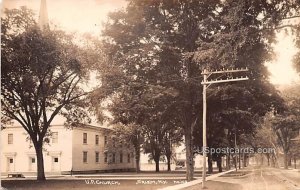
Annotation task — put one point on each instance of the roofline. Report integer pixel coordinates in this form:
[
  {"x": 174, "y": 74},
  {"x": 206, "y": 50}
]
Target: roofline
[{"x": 71, "y": 128}]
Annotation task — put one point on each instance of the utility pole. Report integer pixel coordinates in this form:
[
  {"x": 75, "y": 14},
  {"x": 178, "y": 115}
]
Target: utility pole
[
  {"x": 204, "y": 130},
  {"x": 206, "y": 83},
  {"x": 236, "y": 160}
]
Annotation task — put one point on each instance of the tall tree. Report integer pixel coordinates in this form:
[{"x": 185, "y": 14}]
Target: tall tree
[
  {"x": 41, "y": 72},
  {"x": 287, "y": 124},
  {"x": 130, "y": 134},
  {"x": 286, "y": 127},
  {"x": 265, "y": 136},
  {"x": 177, "y": 26},
  {"x": 241, "y": 38}
]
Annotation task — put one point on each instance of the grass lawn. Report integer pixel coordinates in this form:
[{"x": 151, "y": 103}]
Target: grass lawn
[{"x": 89, "y": 184}]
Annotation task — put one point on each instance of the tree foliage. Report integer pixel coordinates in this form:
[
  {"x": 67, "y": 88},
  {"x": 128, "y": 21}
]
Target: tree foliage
[
  {"x": 41, "y": 76},
  {"x": 166, "y": 44}
]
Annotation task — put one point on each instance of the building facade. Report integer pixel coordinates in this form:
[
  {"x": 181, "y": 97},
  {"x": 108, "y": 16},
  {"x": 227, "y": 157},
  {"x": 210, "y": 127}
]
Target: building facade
[{"x": 83, "y": 149}]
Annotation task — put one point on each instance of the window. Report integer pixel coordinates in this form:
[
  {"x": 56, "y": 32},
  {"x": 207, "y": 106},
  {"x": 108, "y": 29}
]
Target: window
[
  {"x": 113, "y": 158},
  {"x": 97, "y": 157},
  {"x": 11, "y": 160},
  {"x": 84, "y": 138},
  {"x": 56, "y": 159},
  {"x": 85, "y": 157},
  {"x": 128, "y": 157},
  {"x": 105, "y": 157},
  {"x": 105, "y": 139},
  {"x": 33, "y": 160},
  {"x": 121, "y": 157},
  {"x": 97, "y": 139},
  {"x": 10, "y": 138},
  {"x": 55, "y": 137}
]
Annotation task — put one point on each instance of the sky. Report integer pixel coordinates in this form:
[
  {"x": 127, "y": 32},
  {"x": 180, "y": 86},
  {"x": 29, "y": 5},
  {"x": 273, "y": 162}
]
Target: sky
[
  {"x": 73, "y": 15},
  {"x": 87, "y": 16},
  {"x": 281, "y": 69}
]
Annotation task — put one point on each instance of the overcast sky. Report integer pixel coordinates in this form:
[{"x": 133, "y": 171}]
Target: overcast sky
[{"x": 73, "y": 15}]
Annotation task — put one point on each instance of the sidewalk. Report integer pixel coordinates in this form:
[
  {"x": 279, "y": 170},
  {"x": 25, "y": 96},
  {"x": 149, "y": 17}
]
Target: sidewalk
[{"x": 195, "y": 182}]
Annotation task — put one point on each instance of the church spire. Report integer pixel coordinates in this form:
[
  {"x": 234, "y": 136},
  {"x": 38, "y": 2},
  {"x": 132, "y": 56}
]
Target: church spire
[{"x": 43, "y": 16}]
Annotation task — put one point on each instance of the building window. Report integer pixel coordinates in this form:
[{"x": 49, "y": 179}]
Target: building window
[
  {"x": 105, "y": 139},
  {"x": 55, "y": 137},
  {"x": 10, "y": 138},
  {"x": 33, "y": 160},
  {"x": 97, "y": 139},
  {"x": 97, "y": 157},
  {"x": 11, "y": 160},
  {"x": 56, "y": 159},
  {"x": 105, "y": 157},
  {"x": 128, "y": 157},
  {"x": 84, "y": 157},
  {"x": 121, "y": 157},
  {"x": 113, "y": 158},
  {"x": 84, "y": 138}
]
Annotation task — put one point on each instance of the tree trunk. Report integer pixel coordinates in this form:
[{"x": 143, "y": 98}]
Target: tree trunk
[
  {"x": 295, "y": 162},
  {"x": 273, "y": 161},
  {"x": 290, "y": 161},
  {"x": 189, "y": 155},
  {"x": 268, "y": 157},
  {"x": 156, "y": 166},
  {"x": 245, "y": 160},
  {"x": 235, "y": 161},
  {"x": 219, "y": 163},
  {"x": 40, "y": 162},
  {"x": 137, "y": 158},
  {"x": 210, "y": 163},
  {"x": 156, "y": 160},
  {"x": 285, "y": 159},
  {"x": 169, "y": 162},
  {"x": 228, "y": 161},
  {"x": 239, "y": 160}
]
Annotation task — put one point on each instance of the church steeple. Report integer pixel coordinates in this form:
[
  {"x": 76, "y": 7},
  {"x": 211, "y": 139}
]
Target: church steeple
[{"x": 43, "y": 16}]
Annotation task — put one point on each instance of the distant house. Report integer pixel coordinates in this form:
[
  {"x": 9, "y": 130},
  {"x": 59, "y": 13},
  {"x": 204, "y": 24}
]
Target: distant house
[{"x": 79, "y": 150}]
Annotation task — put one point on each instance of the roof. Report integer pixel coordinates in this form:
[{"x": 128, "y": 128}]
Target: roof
[{"x": 60, "y": 120}]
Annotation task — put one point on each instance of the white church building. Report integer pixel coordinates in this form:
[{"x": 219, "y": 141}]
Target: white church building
[{"x": 79, "y": 150}]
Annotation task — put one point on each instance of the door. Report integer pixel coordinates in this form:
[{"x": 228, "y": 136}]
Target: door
[
  {"x": 10, "y": 164},
  {"x": 55, "y": 164}
]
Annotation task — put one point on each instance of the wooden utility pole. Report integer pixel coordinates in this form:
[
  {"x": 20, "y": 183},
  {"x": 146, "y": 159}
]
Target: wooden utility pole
[
  {"x": 204, "y": 129},
  {"x": 206, "y": 83},
  {"x": 235, "y": 146}
]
